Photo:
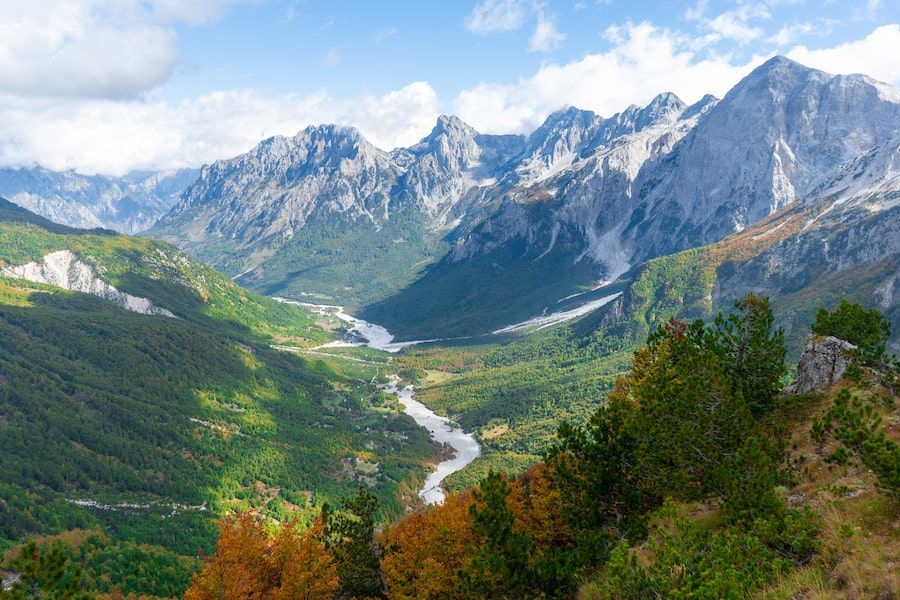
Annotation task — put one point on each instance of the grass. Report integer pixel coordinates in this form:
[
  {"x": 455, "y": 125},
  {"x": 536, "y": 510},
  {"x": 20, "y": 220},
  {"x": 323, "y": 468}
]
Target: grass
[{"x": 860, "y": 522}]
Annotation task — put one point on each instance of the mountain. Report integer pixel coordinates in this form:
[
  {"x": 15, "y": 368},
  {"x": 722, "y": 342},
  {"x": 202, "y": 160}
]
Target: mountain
[
  {"x": 128, "y": 204},
  {"x": 326, "y": 213},
  {"x": 464, "y": 233},
  {"x": 141, "y": 398},
  {"x": 514, "y": 394},
  {"x": 678, "y": 177}
]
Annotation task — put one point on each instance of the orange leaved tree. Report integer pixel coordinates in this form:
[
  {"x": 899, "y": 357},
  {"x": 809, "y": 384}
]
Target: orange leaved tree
[
  {"x": 251, "y": 564},
  {"x": 424, "y": 553}
]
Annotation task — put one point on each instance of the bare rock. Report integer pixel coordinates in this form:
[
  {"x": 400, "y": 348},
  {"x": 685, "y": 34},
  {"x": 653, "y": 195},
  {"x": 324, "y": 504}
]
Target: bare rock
[{"x": 823, "y": 362}]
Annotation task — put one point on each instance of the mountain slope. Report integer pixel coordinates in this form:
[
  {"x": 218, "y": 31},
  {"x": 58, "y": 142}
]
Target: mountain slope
[
  {"x": 673, "y": 177},
  {"x": 326, "y": 213},
  {"x": 147, "y": 425},
  {"x": 844, "y": 244},
  {"x": 465, "y": 233},
  {"x": 129, "y": 204}
]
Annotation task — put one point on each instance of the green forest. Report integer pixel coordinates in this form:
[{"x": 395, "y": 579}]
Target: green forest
[
  {"x": 630, "y": 454},
  {"x": 129, "y": 435}
]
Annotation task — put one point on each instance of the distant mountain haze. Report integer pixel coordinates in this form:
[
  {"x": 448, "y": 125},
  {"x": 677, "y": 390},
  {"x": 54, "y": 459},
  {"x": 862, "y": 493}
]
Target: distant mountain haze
[{"x": 128, "y": 204}]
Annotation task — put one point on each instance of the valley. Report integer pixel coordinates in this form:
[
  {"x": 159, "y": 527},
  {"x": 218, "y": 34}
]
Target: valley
[
  {"x": 543, "y": 364},
  {"x": 464, "y": 448}
]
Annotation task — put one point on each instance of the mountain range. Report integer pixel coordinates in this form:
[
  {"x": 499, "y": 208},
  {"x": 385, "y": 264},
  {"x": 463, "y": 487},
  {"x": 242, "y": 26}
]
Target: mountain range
[
  {"x": 465, "y": 232},
  {"x": 129, "y": 204}
]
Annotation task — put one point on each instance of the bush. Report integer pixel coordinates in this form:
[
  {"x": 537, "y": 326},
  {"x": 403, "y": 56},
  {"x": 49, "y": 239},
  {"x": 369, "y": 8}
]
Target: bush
[
  {"x": 868, "y": 330},
  {"x": 688, "y": 561},
  {"x": 857, "y": 426}
]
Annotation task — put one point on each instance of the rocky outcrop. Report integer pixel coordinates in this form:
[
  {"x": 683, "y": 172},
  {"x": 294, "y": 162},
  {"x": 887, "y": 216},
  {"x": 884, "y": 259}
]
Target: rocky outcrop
[
  {"x": 823, "y": 362},
  {"x": 63, "y": 269}
]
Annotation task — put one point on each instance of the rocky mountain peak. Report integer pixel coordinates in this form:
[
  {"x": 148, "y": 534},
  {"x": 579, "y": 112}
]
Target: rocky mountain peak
[
  {"x": 664, "y": 109},
  {"x": 452, "y": 142},
  {"x": 452, "y": 125},
  {"x": 700, "y": 107}
]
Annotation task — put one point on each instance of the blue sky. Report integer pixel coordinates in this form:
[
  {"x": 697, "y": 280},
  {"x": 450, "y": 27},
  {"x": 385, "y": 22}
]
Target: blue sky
[
  {"x": 113, "y": 85},
  {"x": 360, "y": 47}
]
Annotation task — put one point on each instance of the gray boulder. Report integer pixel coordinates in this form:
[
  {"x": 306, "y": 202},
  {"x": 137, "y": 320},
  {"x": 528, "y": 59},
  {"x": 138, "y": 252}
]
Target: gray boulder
[{"x": 823, "y": 362}]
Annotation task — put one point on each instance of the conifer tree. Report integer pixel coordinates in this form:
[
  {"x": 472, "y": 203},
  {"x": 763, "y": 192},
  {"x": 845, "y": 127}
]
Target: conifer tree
[
  {"x": 500, "y": 568},
  {"x": 350, "y": 535}
]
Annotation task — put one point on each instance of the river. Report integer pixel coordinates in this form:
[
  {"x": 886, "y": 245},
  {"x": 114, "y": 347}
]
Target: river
[
  {"x": 465, "y": 447},
  {"x": 442, "y": 430}
]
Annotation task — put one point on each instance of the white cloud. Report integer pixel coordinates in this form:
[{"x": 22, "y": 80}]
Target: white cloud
[
  {"x": 116, "y": 134},
  {"x": 94, "y": 48},
  {"x": 697, "y": 12},
  {"x": 645, "y": 61},
  {"x": 114, "y": 137},
  {"x": 875, "y": 55},
  {"x": 788, "y": 34},
  {"x": 735, "y": 24},
  {"x": 546, "y": 37},
  {"x": 496, "y": 15},
  {"x": 68, "y": 49},
  {"x": 193, "y": 11}
]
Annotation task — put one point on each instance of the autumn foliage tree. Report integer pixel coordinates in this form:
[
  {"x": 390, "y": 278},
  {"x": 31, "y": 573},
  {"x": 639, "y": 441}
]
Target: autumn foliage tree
[
  {"x": 249, "y": 563},
  {"x": 424, "y": 553},
  {"x": 307, "y": 569}
]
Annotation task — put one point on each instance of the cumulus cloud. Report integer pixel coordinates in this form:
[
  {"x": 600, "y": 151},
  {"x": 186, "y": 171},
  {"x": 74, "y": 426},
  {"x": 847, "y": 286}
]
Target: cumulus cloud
[
  {"x": 127, "y": 127},
  {"x": 90, "y": 48},
  {"x": 94, "y": 48},
  {"x": 644, "y": 61},
  {"x": 788, "y": 34},
  {"x": 545, "y": 37},
  {"x": 114, "y": 137},
  {"x": 496, "y": 15},
  {"x": 194, "y": 12},
  {"x": 875, "y": 55},
  {"x": 735, "y": 24}
]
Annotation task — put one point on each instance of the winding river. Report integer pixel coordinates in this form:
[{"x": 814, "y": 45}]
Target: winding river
[{"x": 442, "y": 430}]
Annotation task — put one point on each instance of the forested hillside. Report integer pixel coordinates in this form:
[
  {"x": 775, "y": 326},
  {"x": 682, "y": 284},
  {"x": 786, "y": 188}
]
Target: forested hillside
[
  {"x": 515, "y": 393},
  {"x": 129, "y": 434},
  {"x": 697, "y": 477}
]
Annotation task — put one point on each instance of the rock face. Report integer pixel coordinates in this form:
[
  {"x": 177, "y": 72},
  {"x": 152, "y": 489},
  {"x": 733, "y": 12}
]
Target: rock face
[
  {"x": 128, "y": 204},
  {"x": 823, "y": 362},
  {"x": 63, "y": 269},
  {"x": 580, "y": 200}
]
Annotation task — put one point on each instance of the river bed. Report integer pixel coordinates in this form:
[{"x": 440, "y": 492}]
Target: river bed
[{"x": 442, "y": 430}]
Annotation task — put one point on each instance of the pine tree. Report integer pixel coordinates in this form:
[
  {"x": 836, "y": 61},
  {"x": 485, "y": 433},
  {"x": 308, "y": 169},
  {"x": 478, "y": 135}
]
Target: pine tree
[
  {"x": 868, "y": 330},
  {"x": 45, "y": 572},
  {"x": 752, "y": 353},
  {"x": 500, "y": 569},
  {"x": 350, "y": 535}
]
